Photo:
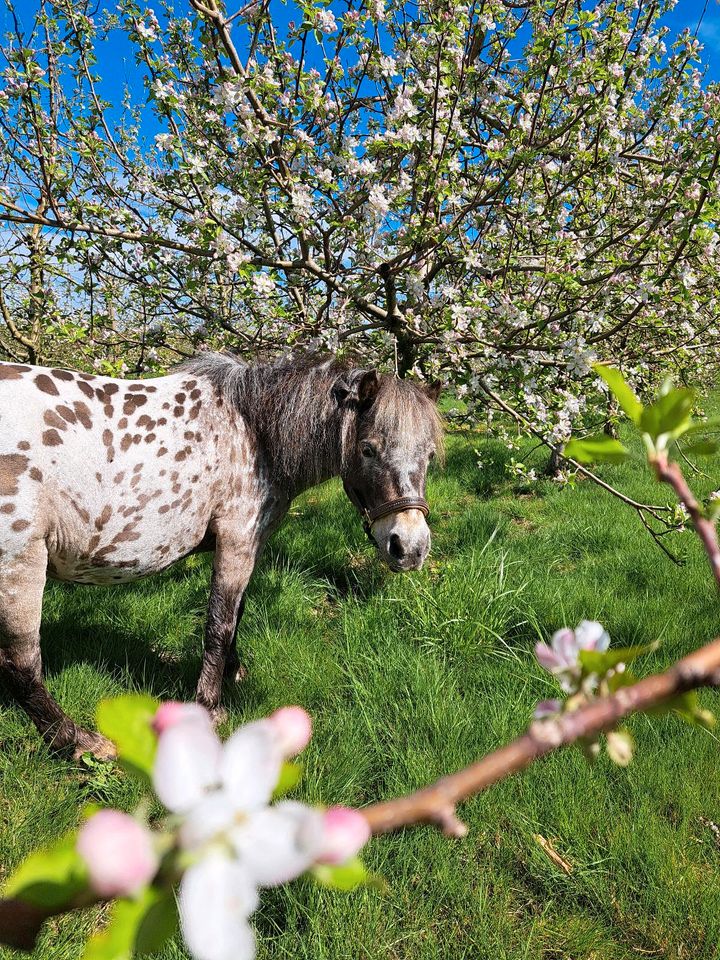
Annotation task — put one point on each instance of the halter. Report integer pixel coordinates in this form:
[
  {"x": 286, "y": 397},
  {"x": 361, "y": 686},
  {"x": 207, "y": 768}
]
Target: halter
[{"x": 399, "y": 505}]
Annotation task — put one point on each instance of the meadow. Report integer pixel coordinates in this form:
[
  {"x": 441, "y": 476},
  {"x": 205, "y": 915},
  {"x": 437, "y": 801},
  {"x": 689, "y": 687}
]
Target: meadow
[{"x": 409, "y": 677}]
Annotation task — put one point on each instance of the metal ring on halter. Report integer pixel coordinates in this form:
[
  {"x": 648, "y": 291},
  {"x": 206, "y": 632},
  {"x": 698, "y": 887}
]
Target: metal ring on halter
[{"x": 394, "y": 506}]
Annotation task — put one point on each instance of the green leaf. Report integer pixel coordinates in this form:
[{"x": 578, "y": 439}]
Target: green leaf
[
  {"x": 595, "y": 661},
  {"x": 687, "y": 706},
  {"x": 127, "y": 721},
  {"x": 136, "y": 927},
  {"x": 621, "y": 390},
  {"x": 345, "y": 876},
  {"x": 51, "y": 877},
  {"x": 668, "y": 414},
  {"x": 289, "y": 778},
  {"x": 597, "y": 449},
  {"x": 624, "y": 679}
]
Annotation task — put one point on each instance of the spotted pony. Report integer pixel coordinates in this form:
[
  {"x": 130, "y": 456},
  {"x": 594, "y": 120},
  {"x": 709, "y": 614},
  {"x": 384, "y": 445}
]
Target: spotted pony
[{"x": 104, "y": 481}]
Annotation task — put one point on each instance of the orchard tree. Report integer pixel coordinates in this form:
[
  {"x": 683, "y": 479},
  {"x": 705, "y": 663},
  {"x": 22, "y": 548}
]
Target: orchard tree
[{"x": 495, "y": 193}]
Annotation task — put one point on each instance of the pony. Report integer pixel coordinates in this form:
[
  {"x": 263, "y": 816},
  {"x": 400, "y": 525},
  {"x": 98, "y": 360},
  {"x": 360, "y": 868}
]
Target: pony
[{"x": 104, "y": 481}]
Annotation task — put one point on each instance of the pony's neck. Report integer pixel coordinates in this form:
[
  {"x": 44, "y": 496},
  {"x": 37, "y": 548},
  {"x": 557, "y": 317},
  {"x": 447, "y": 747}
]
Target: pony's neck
[{"x": 297, "y": 423}]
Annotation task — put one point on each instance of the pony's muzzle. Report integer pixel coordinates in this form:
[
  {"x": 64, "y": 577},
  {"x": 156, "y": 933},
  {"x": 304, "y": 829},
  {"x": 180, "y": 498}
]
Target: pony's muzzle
[{"x": 403, "y": 539}]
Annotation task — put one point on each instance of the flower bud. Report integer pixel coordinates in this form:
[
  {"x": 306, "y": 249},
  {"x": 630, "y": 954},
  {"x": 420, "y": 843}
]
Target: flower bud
[
  {"x": 293, "y": 728},
  {"x": 118, "y": 852},
  {"x": 345, "y": 832},
  {"x": 172, "y": 712}
]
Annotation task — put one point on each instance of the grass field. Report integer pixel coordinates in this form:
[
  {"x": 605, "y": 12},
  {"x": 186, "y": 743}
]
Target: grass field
[{"x": 408, "y": 677}]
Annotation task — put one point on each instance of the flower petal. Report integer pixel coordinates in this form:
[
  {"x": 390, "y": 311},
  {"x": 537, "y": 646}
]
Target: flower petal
[
  {"x": 172, "y": 712},
  {"x": 216, "y": 898},
  {"x": 186, "y": 765},
  {"x": 547, "y": 658},
  {"x": 345, "y": 832},
  {"x": 565, "y": 646},
  {"x": 591, "y": 635},
  {"x": 211, "y": 817},
  {"x": 118, "y": 852},
  {"x": 279, "y": 843},
  {"x": 293, "y": 728},
  {"x": 547, "y": 708},
  {"x": 251, "y": 764}
]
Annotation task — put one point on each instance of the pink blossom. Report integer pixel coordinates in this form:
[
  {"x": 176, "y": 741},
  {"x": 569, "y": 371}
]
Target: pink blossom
[
  {"x": 346, "y": 831},
  {"x": 173, "y": 712},
  {"x": 293, "y": 728},
  {"x": 118, "y": 852}
]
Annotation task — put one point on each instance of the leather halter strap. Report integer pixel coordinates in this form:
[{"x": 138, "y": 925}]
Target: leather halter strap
[
  {"x": 399, "y": 505},
  {"x": 393, "y": 506}
]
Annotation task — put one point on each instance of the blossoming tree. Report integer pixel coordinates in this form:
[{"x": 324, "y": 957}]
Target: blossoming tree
[
  {"x": 223, "y": 838},
  {"x": 494, "y": 193}
]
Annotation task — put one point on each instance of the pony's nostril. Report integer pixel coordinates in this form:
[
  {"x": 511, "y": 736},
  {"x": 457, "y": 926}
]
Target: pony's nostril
[{"x": 395, "y": 547}]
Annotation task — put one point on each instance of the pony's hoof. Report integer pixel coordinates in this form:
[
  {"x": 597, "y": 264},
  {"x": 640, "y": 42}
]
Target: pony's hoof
[
  {"x": 235, "y": 672},
  {"x": 100, "y": 747}
]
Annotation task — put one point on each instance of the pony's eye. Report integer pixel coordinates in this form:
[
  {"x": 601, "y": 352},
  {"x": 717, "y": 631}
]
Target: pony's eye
[
  {"x": 431, "y": 455},
  {"x": 368, "y": 450}
]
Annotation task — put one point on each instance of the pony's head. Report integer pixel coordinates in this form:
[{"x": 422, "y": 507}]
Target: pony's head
[{"x": 392, "y": 432}]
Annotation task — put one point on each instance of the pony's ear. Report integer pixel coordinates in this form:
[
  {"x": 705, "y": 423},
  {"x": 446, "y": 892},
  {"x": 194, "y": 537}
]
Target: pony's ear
[
  {"x": 359, "y": 386},
  {"x": 433, "y": 389}
]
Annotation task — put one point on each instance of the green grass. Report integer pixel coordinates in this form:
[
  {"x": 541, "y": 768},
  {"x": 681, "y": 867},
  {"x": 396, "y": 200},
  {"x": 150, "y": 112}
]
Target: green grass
[{"x": 409, "y": 677}]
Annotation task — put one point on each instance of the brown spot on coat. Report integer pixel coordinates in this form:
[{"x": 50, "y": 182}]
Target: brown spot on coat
[
  {"x": 66, "y": 413},
  {"x": 53, "y": 420},
  {"x": 36, "y": 474},
  {"x": 19, "y": 525},
  {"x": 126, "y": 442},
  {"x": 62, "y": 374},
  {"x": 100, "y": 555},
  {"x": 23, "y": 445},
  {"x": 104, "y": 517},
  {"x": 44, "y": 383},
  {"x": 122, "y": 423},
  {"x": 13, "y": 371},
  {"x": 7, "y": 508},
  {"x": 86, "y": 389},
  {"x": 81, "y": 512},
  {"x": 132, "y": 402},
  {"x": 11, "y": 466},
  {"x": 51, "y": 438},
  {"x": 82, "y": 412},
  {"x": 107, "y": 437},
  {"x": 150, "y": 437},
  {"x": 126, "y": 534},
  {"x": 178, "y": 411}
]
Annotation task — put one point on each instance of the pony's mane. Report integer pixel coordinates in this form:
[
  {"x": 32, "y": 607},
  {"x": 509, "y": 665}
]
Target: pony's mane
[{"x": 289, "y": 405}]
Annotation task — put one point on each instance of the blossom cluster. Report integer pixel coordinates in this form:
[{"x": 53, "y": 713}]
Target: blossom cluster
[{"x": 225, "y": 837}]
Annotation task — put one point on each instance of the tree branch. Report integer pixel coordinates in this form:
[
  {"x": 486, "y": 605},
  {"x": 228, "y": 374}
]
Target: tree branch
[{"x": 436, "y": 804}]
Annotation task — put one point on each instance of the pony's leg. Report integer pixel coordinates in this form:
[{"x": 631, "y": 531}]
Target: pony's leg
[
  {"x": 234, "y": 670},
  {"x": 21, "y": 590},
  {"x": 232, "y": 567}
]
